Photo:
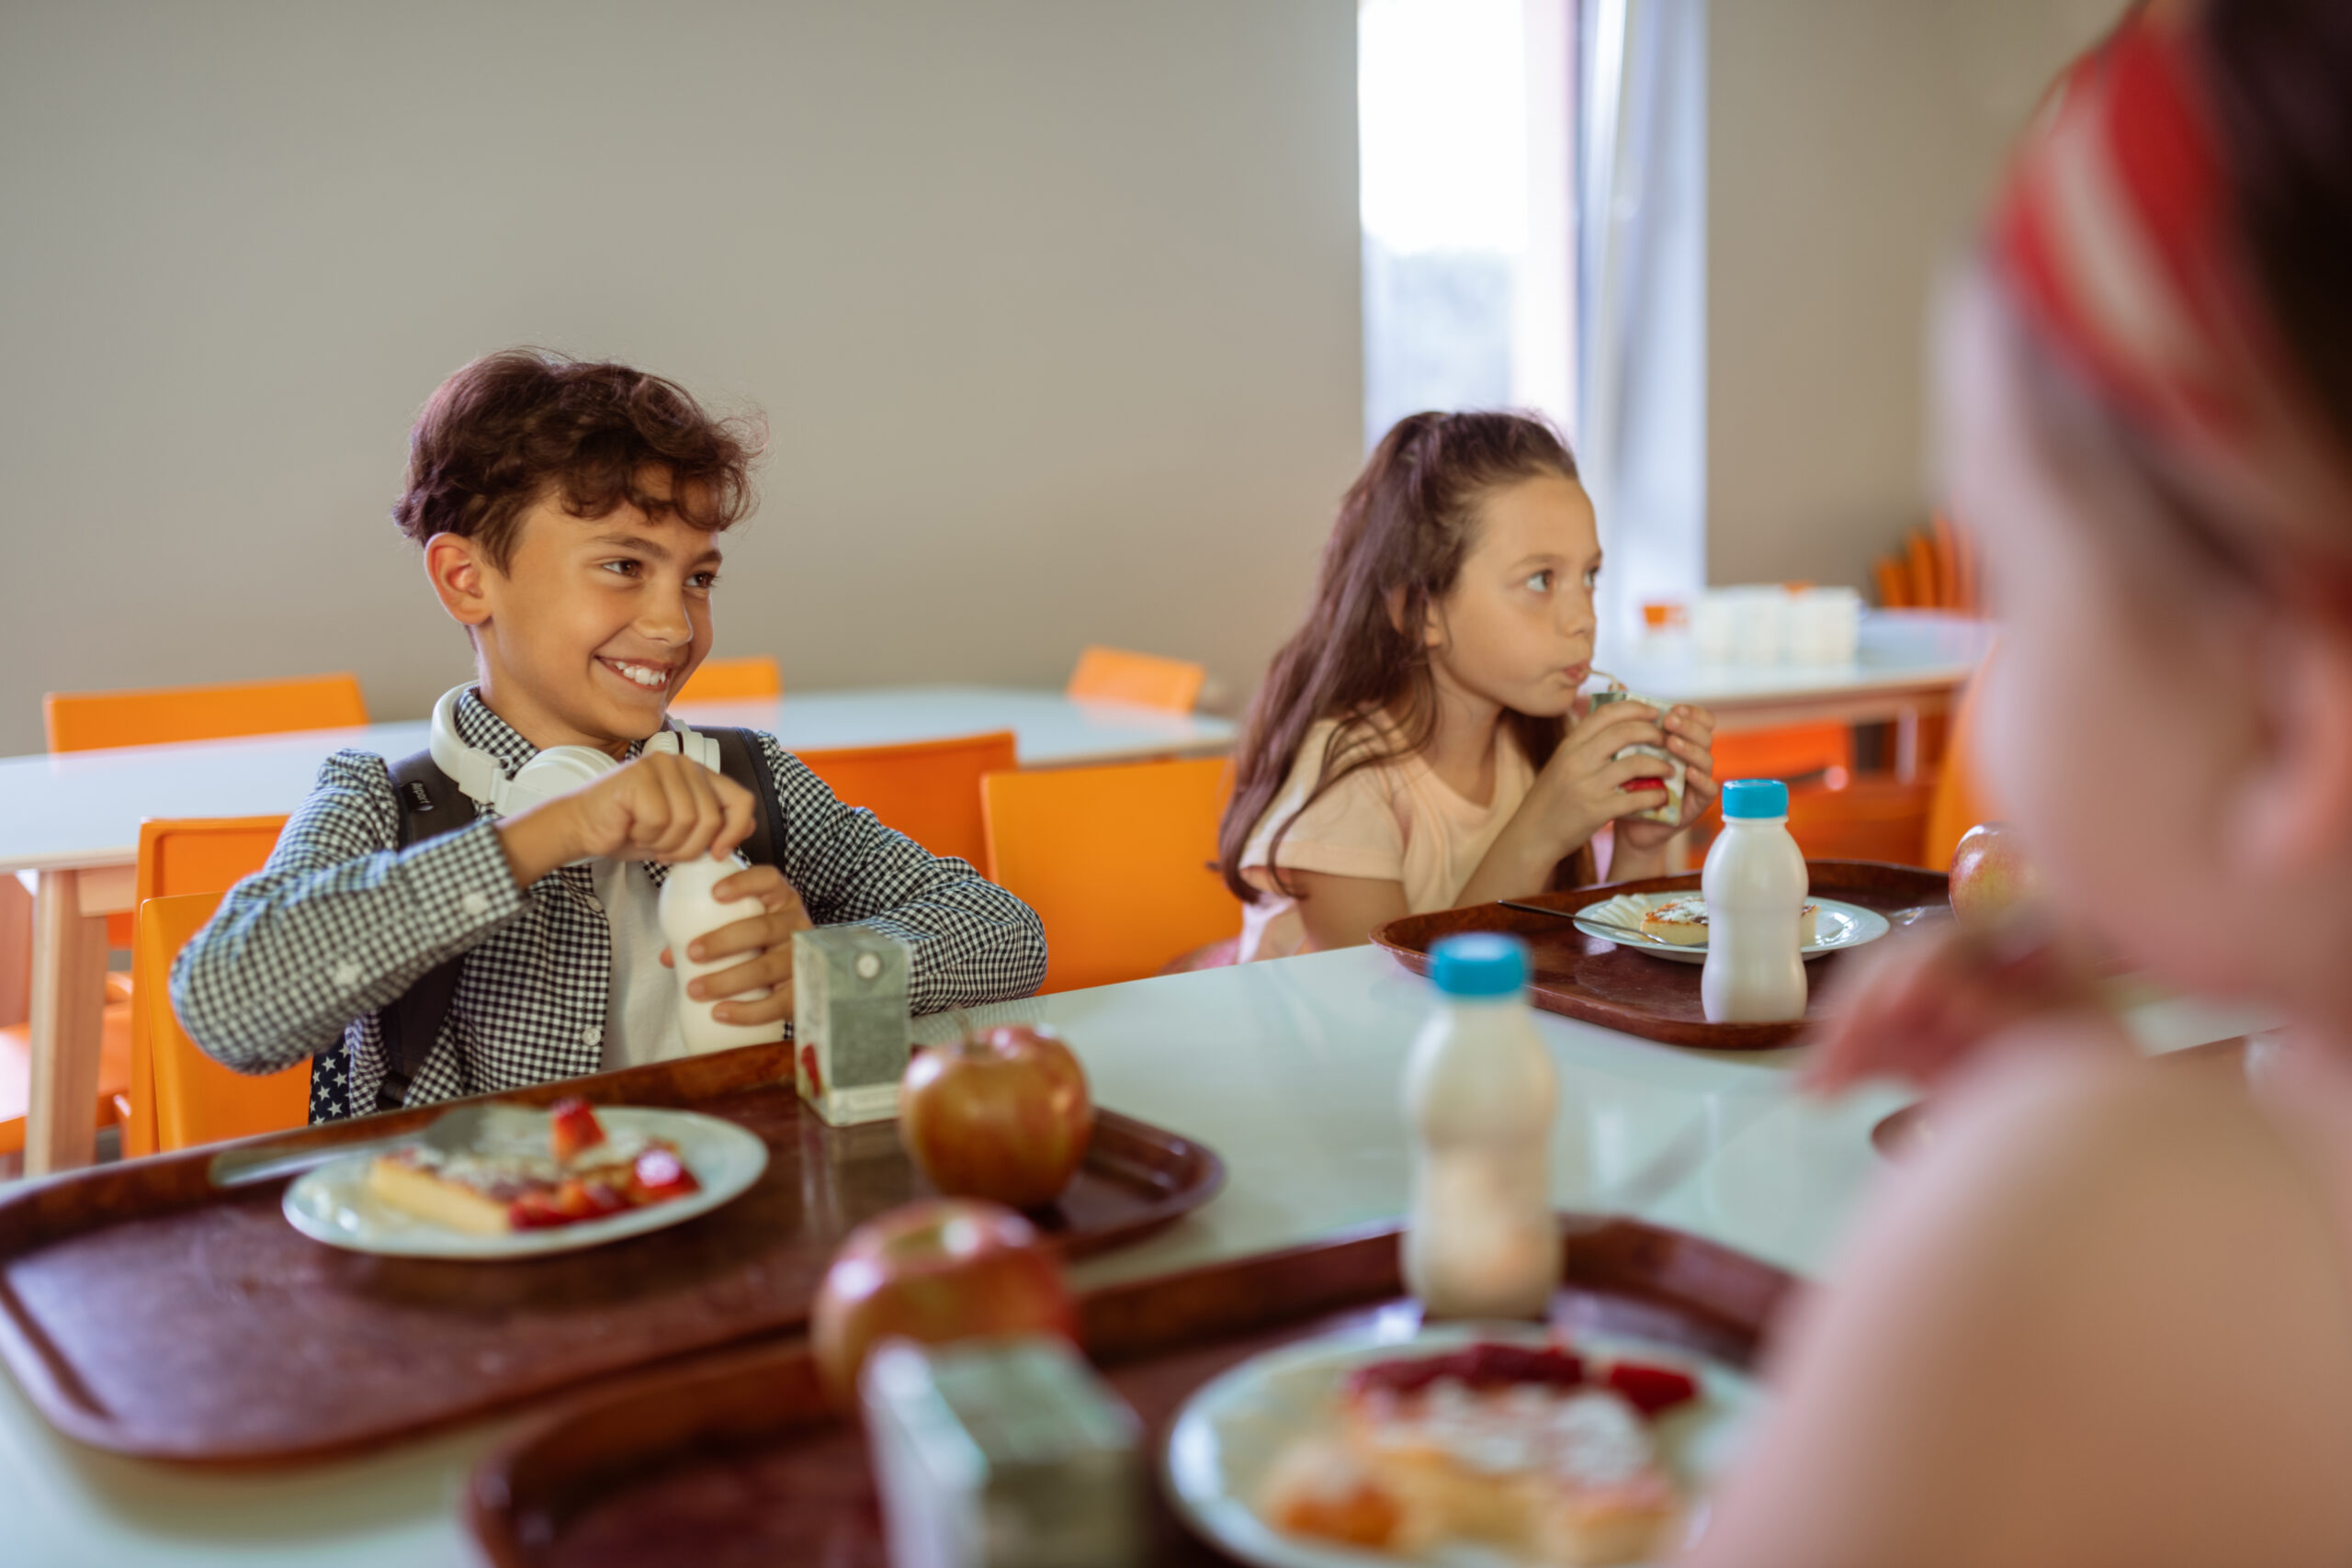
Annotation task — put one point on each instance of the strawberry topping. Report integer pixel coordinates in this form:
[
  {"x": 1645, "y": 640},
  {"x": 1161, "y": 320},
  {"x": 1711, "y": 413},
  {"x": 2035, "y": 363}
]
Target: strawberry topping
[
  {"x": 571, "y": 1127},
  {"x": 1651, "y": 1389}
]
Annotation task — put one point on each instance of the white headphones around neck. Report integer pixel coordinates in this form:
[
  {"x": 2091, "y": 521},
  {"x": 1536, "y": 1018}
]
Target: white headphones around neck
[{"x": 558, "y": 770}]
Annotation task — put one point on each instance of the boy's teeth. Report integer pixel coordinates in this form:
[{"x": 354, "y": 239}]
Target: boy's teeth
[{"x": 641, "y": 675}]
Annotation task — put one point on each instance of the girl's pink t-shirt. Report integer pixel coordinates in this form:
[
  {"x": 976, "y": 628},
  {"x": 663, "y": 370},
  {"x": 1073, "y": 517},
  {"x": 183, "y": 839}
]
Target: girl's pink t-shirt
[{"x": 1394, "y": 821}]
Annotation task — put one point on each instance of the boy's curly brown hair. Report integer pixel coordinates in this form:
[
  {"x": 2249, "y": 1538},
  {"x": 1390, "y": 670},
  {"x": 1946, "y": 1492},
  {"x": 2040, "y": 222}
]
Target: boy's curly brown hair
[{"x": 526, "y": 422}]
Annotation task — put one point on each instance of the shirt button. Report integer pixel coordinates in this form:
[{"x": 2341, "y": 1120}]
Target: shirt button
[
  {"x": 474, "y": 903},
  {"x": 591, "y": 1036}
]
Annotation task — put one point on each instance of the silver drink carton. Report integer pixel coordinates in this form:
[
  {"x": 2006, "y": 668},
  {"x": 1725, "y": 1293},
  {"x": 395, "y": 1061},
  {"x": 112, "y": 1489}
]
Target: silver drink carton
[
  {"x": 849, "y": 1022},
  {"x": 1002, "y": 1453},
  {"x": 1671, "y": 774}
]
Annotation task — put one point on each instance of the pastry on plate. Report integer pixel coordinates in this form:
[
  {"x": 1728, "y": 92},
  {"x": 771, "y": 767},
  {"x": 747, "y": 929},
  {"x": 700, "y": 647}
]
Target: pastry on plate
[
  {"x": 529, "y": 1172},
  {"x": 1529, "y": 1450},
  {"x": 1683, "y": 922}
]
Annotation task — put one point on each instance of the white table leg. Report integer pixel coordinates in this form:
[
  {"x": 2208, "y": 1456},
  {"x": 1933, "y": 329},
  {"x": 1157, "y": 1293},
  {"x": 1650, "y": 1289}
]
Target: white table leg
[
  {"x": 69, "y": 992},
  {"x": 1906, "y": 743}
]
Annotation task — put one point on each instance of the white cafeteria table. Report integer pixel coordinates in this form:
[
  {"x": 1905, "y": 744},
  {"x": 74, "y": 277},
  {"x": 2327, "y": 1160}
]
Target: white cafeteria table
[
  {"x": 73, "y": 822},
  {"x": 1289, "y": 1069},
  {"x": 1906, "y": 666}
]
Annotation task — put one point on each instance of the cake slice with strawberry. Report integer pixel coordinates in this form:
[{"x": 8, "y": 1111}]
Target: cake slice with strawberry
[{"x": 527, "y": 1172}]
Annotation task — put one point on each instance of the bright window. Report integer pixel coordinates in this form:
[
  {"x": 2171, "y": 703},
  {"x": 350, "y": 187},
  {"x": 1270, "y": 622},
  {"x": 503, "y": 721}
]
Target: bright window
[{"x": 1463, "y": 128}]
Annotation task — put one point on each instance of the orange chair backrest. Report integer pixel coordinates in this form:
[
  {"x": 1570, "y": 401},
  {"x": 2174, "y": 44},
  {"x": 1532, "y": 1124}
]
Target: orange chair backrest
[
  {"x": 202, "y": 854},
  {"x": 1791, "y": 752},
  {"x": 1961, "y": 800},
  {"x": 728, "y": 680},
  {"x": 180, "y": 855},
  {"x": 928, "y": 790},
  {"x": 80, "y": 721},
  {"x": 1118, "y": 862},
  {"x": 1863, "y": 817},
  {"x": 196, "y": 1099},
  {"x": 1114, "y": 675}
]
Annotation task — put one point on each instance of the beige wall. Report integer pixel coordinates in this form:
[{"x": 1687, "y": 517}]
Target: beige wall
[
  {"x": 1849, "y": 143},
  {"x": 1053, "y": 307}
]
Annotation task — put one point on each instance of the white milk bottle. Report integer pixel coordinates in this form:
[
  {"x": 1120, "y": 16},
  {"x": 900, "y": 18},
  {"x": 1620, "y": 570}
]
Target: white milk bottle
[
  {"x": 691, "y": 909},
  {"x": 1755, "y": 884},
  {"x": 1480, "y": 1240}
]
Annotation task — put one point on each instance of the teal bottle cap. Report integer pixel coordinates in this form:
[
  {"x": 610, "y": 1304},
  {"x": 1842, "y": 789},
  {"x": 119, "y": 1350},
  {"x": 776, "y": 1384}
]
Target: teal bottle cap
[
  {"x": 1479, "y": 964},
  {"x": 1751, "y": 798}
]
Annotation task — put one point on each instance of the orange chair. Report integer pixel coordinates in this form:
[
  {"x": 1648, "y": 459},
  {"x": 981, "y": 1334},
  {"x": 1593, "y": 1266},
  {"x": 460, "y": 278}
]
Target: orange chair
[
  {"x": 732, "y": 679},
  {"x": 928, "y": 790},
  {"x": 83, "y": 721},
  {"x": 1114, "y": 675},
  {"x": 1861, "y": 817},
  {"x": 179, "y": 856},
  {"x": 1119, "y": 861},
  {"x": 189, "y": 855},
  {"x": 1961, "y": 800},
  {"x": 1792, "y": 751},
  {"x": 196, "y": 1099},
  {"x": 80, "y": 721}
]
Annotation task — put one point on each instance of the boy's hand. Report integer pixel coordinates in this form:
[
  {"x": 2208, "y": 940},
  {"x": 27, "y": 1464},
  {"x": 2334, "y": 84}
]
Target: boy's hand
[
  {"x": 1583, "y": 784},
  {"x": 781, "y": 914},
  {"x": 1691, "y": 736},
  {"x": 662, "y": 807}
]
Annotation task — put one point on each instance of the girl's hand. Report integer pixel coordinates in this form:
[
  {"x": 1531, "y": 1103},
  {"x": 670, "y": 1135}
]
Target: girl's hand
[
  {"x": 1927, "y": 999},
  {"x": 1583, "y": 785},
  {"x": 1691, "y": 737},
  {"x": 781, "y": 913}
]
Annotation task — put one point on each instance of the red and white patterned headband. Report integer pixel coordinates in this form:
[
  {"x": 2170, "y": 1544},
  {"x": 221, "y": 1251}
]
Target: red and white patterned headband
[{"x": 2117, "y": 234}]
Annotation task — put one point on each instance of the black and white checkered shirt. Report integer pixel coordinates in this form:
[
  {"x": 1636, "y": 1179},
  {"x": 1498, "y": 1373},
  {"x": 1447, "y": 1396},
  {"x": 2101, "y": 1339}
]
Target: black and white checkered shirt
[{"x": 304, "y": 955}]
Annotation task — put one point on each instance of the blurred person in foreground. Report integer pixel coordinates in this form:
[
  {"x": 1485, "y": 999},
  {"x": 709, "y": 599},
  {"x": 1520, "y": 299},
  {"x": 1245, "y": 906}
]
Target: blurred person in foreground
[{"x": 2105, "y": 1317}]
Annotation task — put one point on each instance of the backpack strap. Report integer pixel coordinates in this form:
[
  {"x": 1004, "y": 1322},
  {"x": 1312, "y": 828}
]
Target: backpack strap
[
  {"x": 740, "y": 758},
  {"x": 431, "y": 805}
]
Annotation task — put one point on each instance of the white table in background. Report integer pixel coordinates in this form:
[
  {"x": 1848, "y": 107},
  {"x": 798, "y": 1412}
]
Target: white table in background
[
  {"x": 1908, "y": 665},
  {"x": 1289, "y": 1069},
  {"x": 72, "y": 820}
]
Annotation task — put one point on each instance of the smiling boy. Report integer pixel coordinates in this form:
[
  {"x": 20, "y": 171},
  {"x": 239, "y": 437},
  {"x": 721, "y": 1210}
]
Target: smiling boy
[{"x": 448, "y": 925}]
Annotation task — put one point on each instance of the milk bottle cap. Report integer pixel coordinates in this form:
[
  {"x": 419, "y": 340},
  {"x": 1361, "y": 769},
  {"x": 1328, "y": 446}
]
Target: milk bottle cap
[
  {"x": 1479, "y": 964},
  {"x": 1755, "y": 798}
]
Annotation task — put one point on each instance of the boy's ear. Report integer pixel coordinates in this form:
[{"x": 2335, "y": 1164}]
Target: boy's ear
[
  {"x": 455, "y": 567},
  {"x": 2293, "y": 811}
]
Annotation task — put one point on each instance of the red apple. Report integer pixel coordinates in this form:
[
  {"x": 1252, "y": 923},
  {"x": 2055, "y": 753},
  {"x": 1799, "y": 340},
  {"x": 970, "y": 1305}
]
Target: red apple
[
  {"x": 1005, "y": 1116},
  {"x": 937, "y": 1269},
  {"x": 1991, "y": 874}
]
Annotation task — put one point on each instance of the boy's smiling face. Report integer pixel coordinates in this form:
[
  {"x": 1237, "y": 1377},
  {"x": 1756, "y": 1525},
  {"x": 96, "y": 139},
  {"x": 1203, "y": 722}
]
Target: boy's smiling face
[{"x": 592, "y": 624}]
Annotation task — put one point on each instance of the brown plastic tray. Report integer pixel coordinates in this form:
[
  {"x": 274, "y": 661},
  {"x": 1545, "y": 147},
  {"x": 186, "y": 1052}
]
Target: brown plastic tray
[
  {"x": 1593, "y": 979},
  {"x": 735, "y": 1461},
  {"x": 144, "y": 1312}
]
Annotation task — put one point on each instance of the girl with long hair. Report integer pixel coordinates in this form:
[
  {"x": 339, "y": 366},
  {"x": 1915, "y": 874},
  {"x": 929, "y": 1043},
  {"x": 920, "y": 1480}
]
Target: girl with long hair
[
  {"x": 1420, "y": 743},
  {"x": 2106, "y": 1316}
]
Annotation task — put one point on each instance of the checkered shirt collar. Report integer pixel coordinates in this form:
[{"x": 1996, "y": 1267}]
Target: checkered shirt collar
[{"x": 480, "y": 727}]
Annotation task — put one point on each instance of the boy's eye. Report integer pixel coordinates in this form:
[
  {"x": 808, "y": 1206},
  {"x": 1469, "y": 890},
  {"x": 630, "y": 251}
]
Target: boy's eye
[
  {"x": 624, "y": 568},
  {"x": 1591, "y": 578},
  {"x": 705, "y": 580},
  {"x": 1540, "y": 582}
]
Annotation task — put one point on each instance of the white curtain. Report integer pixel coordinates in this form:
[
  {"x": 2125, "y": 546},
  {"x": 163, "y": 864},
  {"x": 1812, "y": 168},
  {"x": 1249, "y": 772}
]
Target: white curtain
[{"x": 1642, "y": 305}]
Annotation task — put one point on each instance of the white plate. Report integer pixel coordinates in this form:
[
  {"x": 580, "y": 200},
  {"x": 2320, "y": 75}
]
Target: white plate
[
  {"x": 1837, "y": 926},
  {"x": 333, "y": 1204},
  {"x": 1225, "y": 1439}
]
